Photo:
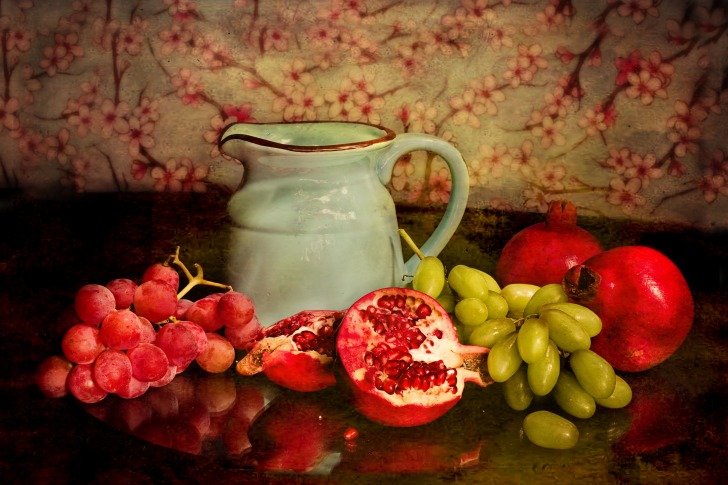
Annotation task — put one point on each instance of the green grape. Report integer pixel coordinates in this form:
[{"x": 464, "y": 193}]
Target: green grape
[
  {"x": 490, "y": 282},
  {"x": 467, "y": 282},
  {"x": 463, "y": 331},
  {"x": 572, "y": 398},
  {"x": 533, "y": 340},
  {"x": 489, "y": 333},
  {"x": 589, "y": 320},
  {"x": 471, "y": 311},
  {"x": 549, "y": 430},
  {"x": 542, "y": 374},
  {"x": 593, "y": 372},
  {"x": 551, "y": 293},
  {"x": 503, "y": 358},
  {"x": 446, "y": 299},
  {"x": 516, "y": 391},
  {"x": 497, "y": 305},
  {"x": 429, "y": 276},
  {"x": 517, "y": 295},
  {"x": 621, "y": 396},
  {"x": 564, "y": 330}
]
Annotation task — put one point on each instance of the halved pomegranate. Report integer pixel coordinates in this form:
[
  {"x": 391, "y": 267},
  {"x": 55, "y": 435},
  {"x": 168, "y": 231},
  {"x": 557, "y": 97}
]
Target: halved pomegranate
[
  {"x": 404, "y": 363},
  {"x": 296, "y": 352}
]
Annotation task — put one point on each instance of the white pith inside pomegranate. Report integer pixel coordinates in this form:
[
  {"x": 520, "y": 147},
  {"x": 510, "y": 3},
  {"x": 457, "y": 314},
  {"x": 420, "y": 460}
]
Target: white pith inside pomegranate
[
  {"x": 404, "y": 363},
  {"x": 296, "y": 352}
]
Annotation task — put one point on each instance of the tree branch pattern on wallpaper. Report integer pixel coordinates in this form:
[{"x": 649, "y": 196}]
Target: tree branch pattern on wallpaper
[{"x": 617, "y": 105}]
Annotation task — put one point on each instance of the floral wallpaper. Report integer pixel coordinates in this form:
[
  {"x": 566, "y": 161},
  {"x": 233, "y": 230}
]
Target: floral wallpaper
[{"x": 618, "y": 105}]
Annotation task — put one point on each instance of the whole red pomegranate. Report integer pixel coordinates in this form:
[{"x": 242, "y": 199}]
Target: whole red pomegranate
[
  {"x": 296, "y": 352},
  {"x": 643, "y": 300},
  {"x": 402, "y": 358},
  {"x": 541, "y": 253}
]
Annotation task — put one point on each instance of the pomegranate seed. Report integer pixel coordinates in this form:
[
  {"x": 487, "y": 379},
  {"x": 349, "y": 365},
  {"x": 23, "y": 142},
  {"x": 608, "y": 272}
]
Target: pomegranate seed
[
  {"x": 404, "y": 383},
  {"x": 395, "y": 354},
  {"x": 369, "y": 358},
  {"x": 417, "y": 383},
  {"x": 423, "y": 311},
  {"x": 437, "y": 333},
  {"x": 351, "y": 434},
  {"x": 425, "y": 385},
  {"x": 394, "y": 368},
  {"x": 389, "y": 386}
]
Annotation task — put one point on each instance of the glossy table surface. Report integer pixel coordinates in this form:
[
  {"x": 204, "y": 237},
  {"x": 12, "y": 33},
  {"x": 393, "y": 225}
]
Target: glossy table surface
[{"x": 233, "y": 429}]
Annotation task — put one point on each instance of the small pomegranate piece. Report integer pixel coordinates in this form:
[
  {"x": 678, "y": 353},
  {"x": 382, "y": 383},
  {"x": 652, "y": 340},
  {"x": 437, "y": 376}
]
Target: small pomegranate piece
[
  {"x": 402, "y": 357},
  {"x": 541, "y": 253},
  {"x": 643, "y": 300},
  {"x": 296, "y": 352}
]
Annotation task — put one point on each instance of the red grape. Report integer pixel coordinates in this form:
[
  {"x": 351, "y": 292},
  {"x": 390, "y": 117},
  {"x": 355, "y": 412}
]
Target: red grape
[
  {"x": 93, "y": 302},
  {"x": 168, "y": 377},
  {"x": 135, "y": 388},
  {"x": 179, "y": 343},
  {"x": 235, "y": 309},
  {"x": 155, "y": 300},
  {"x": 51, "y": 376},
  {"x": 123, "y": 290},
  {"x": 182, "y": 305},
  {"x": 162, "y": 272},
  {"x": 218, "y": 356},
  {"x": 199, "y": 333},
  {"x": 112, "y": 370},
  {"x": 81, "y": 344},
  {"x": 149, "y": 333},
  {"x": 241, "y": 337},
  {"x": 82, "y": 385},
  {"x": 148, "y": 362},
  {"x": 204, "y": 313},
  {"x": 121, "y": 330}
]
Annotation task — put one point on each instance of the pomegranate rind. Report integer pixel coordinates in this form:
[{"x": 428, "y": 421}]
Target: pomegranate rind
[
  {"x": 409, "y": 407},
  {"x": 281, "y": 360},
  {"x": 313, "y": 373},
  {"x": 645, "y": 304},
  {"x": 541, "y": 253}
]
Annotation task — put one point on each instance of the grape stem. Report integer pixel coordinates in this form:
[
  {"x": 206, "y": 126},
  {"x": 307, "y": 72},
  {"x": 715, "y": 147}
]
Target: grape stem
[
  {"x": 411, "y": 244},
  {"x": 197, "y": 279}
]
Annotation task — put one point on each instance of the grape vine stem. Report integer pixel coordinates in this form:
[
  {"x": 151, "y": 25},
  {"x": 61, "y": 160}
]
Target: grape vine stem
[
  {"x": 411, "y": 244},
  {"x": 197, "y": 279}
]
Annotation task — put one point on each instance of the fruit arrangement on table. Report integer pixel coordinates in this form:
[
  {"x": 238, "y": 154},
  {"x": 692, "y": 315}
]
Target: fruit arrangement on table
[{"x": 561, "y": 317}]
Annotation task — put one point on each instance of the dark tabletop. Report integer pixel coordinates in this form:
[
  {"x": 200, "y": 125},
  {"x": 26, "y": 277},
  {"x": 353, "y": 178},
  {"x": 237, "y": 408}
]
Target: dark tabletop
[{"x": 675, "y": 431}]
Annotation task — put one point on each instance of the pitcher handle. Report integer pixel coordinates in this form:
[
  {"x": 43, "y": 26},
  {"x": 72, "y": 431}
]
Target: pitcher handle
[{"x": 410, "y": 142}]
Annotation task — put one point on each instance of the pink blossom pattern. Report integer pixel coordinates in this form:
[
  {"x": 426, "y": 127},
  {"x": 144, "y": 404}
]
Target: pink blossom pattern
[{"x": 628, "y": 117}]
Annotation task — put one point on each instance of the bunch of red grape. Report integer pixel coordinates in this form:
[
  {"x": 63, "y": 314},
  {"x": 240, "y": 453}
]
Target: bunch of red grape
[{"x": 128, "y": 337}]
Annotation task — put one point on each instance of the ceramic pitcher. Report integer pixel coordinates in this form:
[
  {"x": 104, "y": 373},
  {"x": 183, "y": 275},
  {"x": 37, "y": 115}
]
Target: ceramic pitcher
[{"x": 313, "y": 225}]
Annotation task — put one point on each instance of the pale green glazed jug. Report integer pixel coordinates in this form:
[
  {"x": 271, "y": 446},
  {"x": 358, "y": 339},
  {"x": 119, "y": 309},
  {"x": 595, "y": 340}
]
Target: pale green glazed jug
[{"x": 314, "y": 226}]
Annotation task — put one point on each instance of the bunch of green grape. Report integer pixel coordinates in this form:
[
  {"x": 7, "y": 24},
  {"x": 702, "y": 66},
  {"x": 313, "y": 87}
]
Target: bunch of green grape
[{"x": 539, "y": 346}]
